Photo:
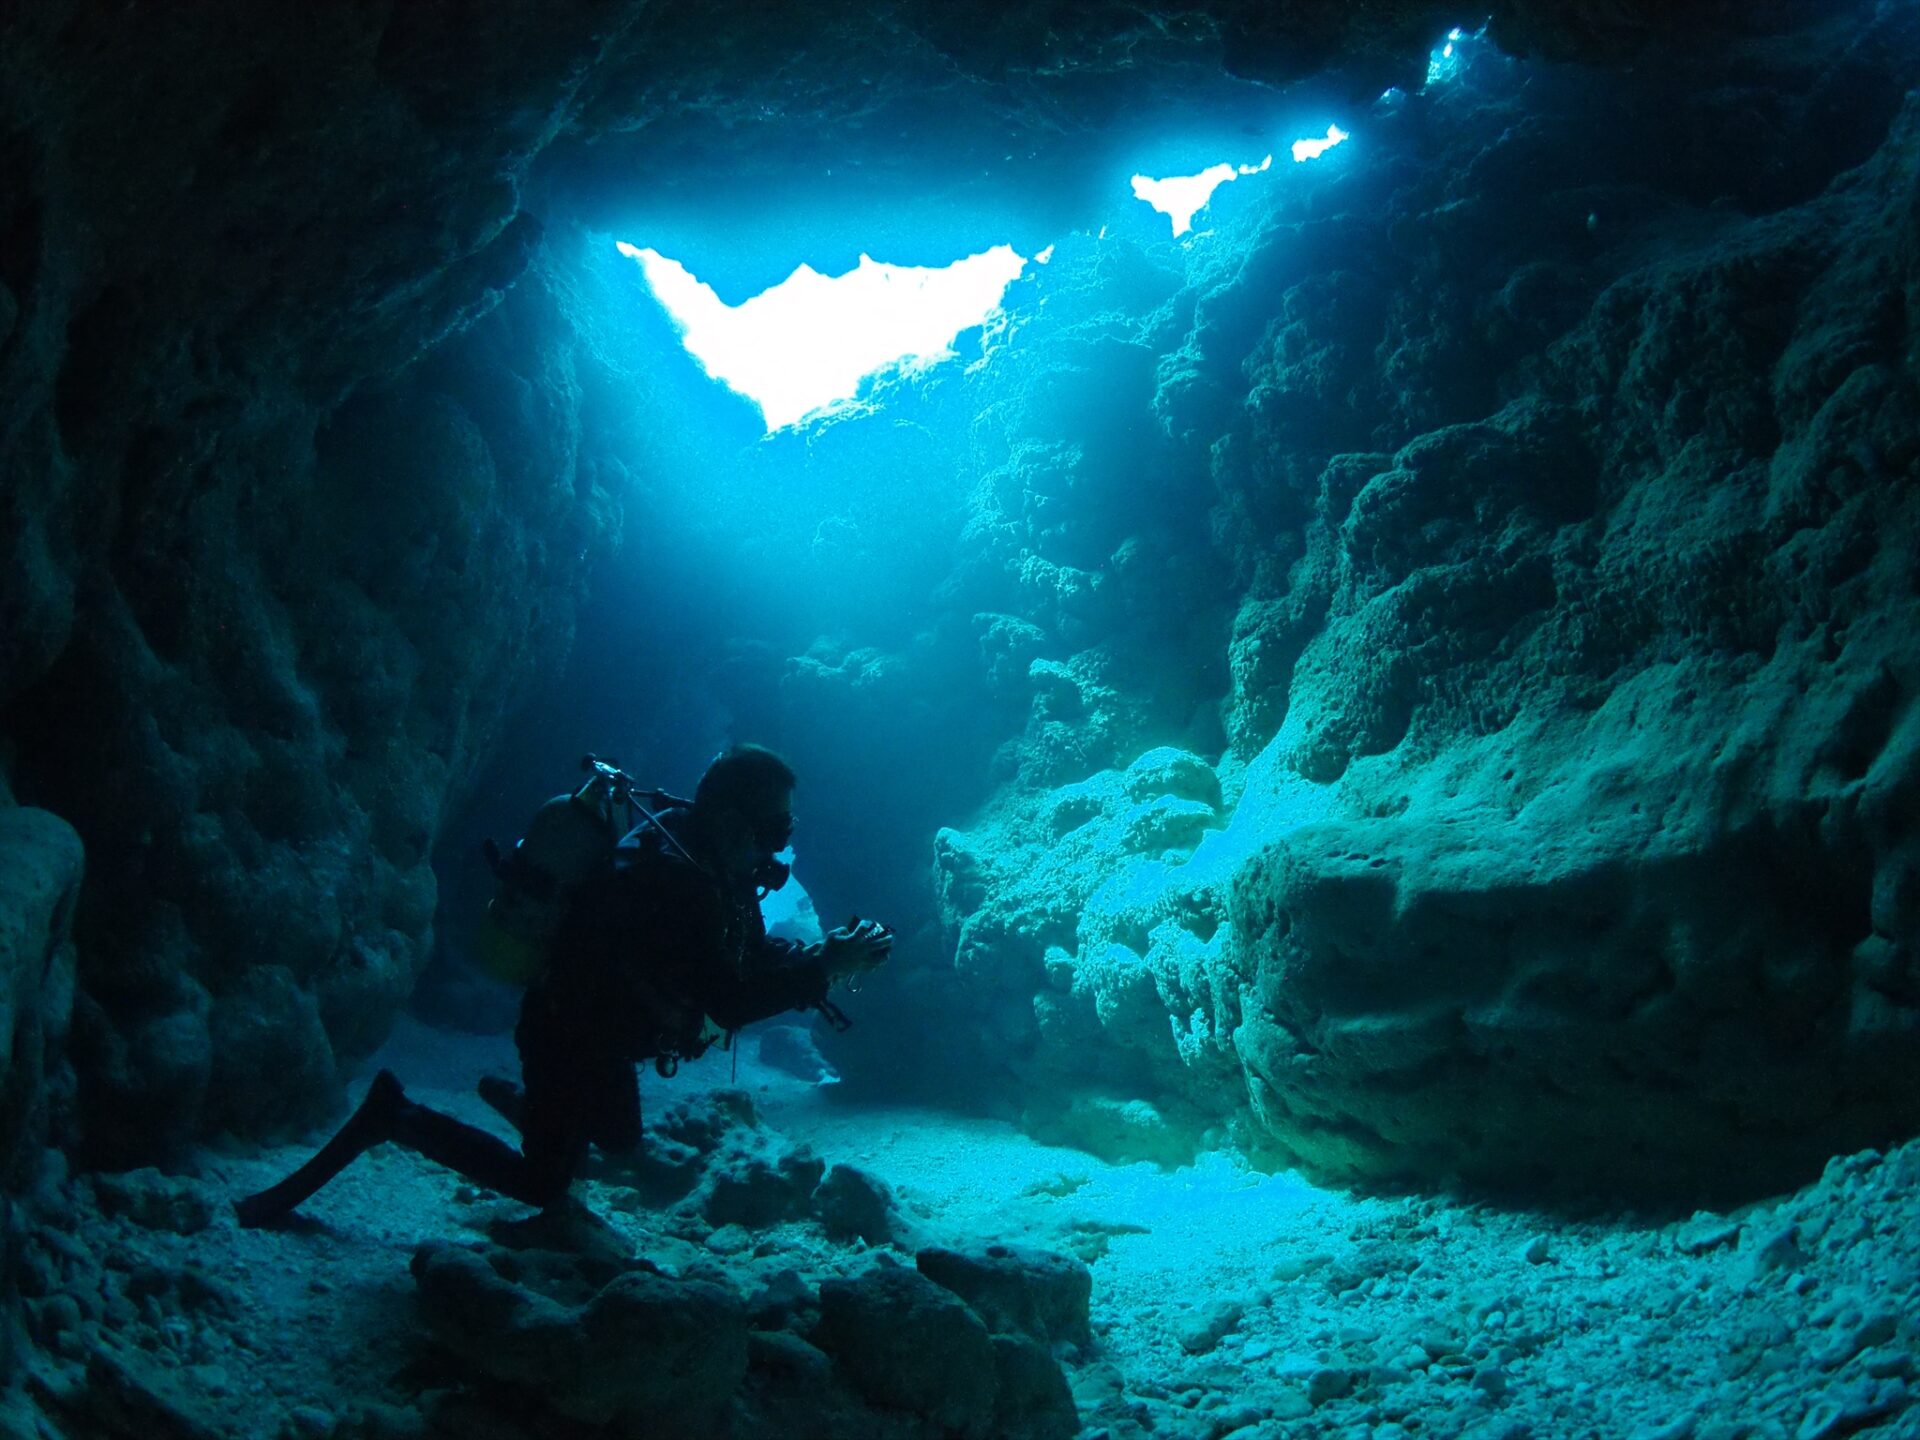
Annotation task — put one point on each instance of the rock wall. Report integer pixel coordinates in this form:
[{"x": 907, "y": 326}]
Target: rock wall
[
  {"x": 272, "y": 579},
  {"x": 1630, "y": 748},
  {"x": 40, "y": 868},
  {"x": 1569, "y": 489}
]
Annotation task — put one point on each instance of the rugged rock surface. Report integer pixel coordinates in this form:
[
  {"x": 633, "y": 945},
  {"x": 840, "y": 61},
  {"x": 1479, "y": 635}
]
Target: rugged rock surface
[
  {"x": 41, "y": 861},
  {"x": 1018, "y": 1289},
  {"x": 265, "y": 434},
  {"x": 1572, "y": 729},
  {"x": 587, "y": 1362},
  {"x": 1438, "y": 657},
  {"x": 40, "y": 870},
  {"x": 269, "y": 599}
]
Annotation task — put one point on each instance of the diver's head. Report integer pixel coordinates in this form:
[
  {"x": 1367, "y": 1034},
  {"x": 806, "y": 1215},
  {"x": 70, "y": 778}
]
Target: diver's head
[{"x": 744, "y": 807}]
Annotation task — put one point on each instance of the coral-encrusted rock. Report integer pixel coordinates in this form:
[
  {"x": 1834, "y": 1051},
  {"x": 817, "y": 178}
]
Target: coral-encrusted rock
[
  {"x": 40, "y": 869},
  {"x": 746, "y": 1174},
  {"x": 1619, "y": 900},
  {"x": 507, "y": 1331},
  {"x": 1017, "y": 1288},
  {"x": 645, "y": 1352},
  {"x": 267, "y": 1024},
  {"x": 906, "y": 1343},
  {"x": 1595, "y": 992},
  {"x": 1117, "y": 863}
]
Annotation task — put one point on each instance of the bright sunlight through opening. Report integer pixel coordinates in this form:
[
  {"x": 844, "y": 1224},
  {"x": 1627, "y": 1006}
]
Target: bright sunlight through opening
[
  {"x": 1305, "y": 150},
  {"x": 1447, "y": 60},
  {"x": 1181, "y": 197},
  {"x": 806, "y": 345}
]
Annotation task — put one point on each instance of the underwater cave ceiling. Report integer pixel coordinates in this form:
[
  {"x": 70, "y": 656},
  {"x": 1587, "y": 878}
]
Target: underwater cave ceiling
[{"x": 261, "y": 272}]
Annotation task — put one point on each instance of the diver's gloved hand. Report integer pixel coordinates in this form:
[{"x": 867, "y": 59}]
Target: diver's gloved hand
[{"x": 857, "y": 948}]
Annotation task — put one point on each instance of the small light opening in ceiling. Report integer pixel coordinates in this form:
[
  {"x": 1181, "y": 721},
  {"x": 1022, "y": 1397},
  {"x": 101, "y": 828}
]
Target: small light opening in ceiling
[{"x": 1181, "y": 197}]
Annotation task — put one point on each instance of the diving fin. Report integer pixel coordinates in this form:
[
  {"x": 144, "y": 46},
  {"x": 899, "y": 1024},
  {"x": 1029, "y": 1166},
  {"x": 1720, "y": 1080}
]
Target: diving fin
[{"x": 368, "y": 1126}]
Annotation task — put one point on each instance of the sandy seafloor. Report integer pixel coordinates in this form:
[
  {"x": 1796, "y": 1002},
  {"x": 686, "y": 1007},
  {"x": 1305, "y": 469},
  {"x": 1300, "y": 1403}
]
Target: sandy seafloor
[{"x": 1225, "y": 1301}]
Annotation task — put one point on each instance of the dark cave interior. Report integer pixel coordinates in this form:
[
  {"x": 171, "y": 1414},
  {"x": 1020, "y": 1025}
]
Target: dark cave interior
[{"x": 1411, "y": 682}]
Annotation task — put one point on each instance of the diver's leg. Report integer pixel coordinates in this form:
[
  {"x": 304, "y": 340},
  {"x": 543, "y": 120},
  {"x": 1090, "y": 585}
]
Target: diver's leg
[
  {"x": 616, "y": 1109},
  {"x": 508, "y": 1100},
  {"x": 372, "y": 1123},
  {"x": 482, "y": 1158},
  {"x": 387, "y": 1115}
]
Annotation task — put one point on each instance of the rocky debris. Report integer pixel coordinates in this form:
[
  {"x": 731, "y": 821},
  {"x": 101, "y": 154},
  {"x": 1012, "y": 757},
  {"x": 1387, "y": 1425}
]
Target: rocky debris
[
  {"x": 1620, "y": 1331},
  {"x": 571, "y": 1229},
  {"x": 712, "y": 1156},
  {"x": 1203, "y": 1333},
  {"x": 645, "y": 1350},
  {"x": 1705, "y": 1232},
  {"x": 853, "y": 1203},
  {"x": 755, "y": 1190},
  {"x": 1016, "y": 1289},
  {"x": 785, "y": 1301},
  {"x": 907, "y": 1344},
  {"x": 154, "y": 1201},
  {"x": 1032, "y": 1399}
]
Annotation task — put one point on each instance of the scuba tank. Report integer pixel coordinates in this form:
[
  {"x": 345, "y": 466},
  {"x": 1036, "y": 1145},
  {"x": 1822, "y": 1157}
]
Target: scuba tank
[{"x": 569, "y": 841}]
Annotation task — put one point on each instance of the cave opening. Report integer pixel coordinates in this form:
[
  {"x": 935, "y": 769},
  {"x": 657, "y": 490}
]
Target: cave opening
[{"x": 1340, "y": 578}]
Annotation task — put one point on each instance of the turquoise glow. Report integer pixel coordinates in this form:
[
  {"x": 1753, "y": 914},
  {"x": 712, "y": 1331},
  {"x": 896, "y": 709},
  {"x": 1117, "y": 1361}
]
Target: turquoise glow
[
  {"x": 1444, "y": 62},
  {"x": 804, "y": 347}
]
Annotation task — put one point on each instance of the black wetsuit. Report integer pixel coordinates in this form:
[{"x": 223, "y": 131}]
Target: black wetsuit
[{"x": 650, "y": 953}]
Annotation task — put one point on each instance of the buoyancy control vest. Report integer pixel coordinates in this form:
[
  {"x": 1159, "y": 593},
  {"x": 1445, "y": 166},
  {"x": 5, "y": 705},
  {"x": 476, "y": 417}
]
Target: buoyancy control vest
[{"x": 571, "y": 839}]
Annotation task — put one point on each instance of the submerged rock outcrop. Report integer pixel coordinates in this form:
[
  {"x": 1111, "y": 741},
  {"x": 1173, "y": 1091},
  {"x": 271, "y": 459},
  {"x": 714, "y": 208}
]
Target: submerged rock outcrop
[{"x": 1571, "y": 729}]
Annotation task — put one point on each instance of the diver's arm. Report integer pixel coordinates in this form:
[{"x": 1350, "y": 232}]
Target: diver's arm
[
  {"x": 786, "y": 975},
  {"x": 798, "y": 982}
]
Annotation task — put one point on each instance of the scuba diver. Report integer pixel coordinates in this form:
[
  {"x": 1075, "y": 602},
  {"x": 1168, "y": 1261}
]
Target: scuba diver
[{"x": 659, "y": 953}]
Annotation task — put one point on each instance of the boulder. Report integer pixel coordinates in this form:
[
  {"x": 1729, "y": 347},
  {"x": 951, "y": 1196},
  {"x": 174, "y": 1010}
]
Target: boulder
[
  {"x": 644, "y": 1351},
  {"x": 1017, "y": 1289},
  {"x": 757, "y": 1189},
  {"x": 907, "y": 1344},
  {"x": 1033, "y": 1400},
  {"x": 854, "y": 1204}
]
